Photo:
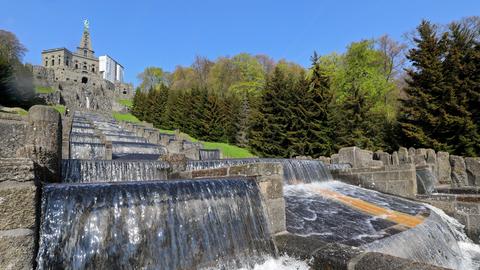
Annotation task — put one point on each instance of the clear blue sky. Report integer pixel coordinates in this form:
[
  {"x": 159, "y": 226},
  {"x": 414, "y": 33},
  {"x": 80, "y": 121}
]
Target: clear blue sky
[{"x": 169, "y": 33}]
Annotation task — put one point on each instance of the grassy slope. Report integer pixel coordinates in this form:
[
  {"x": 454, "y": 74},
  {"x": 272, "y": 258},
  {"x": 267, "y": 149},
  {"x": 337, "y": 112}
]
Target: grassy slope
[
  {"x": 228, "y": 150},
  {"x": 126, "y": 102},
  {"x": 59, "y": 108},
  {"x": 43, "y": 90},
  {"x": 125, "y": 117}
]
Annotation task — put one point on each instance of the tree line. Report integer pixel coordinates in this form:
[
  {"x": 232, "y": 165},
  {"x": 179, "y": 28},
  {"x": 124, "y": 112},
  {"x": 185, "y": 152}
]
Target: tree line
[
  {"x": 370, "y": 96},
  {"x": 16, "y": 78}
]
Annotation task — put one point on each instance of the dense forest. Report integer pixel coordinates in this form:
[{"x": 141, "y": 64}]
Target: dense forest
[{"x": 378, "y": 94}]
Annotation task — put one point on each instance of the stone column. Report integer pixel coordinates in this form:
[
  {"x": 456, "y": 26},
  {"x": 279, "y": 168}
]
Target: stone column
[{"x": 44, "y": 142}]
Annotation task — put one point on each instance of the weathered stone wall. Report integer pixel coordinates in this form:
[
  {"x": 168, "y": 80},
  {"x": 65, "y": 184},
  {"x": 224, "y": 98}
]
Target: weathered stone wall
[
  {"x": 269, "y": 177},
  {"x": 38, "y": 140},
  {"x": 12, "y": 134},
  {"x": 397, "y": 180}
]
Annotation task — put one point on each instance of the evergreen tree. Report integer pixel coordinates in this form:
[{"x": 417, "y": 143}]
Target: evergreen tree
[
  {"x": 436, "y": 113},
  {"x": 320, "y": 112},
  {"x": 267, "y": 135}
]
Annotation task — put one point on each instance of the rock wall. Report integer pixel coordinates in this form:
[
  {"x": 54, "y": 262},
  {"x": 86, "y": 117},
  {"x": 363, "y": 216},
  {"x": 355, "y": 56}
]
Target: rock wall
[{"x": 33, "y": 154}]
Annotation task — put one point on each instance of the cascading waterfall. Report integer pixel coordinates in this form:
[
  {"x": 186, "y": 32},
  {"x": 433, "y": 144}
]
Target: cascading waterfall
[
  {"x": 295, "y": 170},
  {"x": 125, "y": 138},
  {"x": 84, "y": 138},
  {"x": 87, "y": 150},
  {"x": 437, "y": 240},
  {"x": 425, "y": 181},
  {"x": 82, "y": 171},
  {"x": 209, "y": 154},
  {"x": 126, "y": 150},
  {"x": 153, "y": 225}
]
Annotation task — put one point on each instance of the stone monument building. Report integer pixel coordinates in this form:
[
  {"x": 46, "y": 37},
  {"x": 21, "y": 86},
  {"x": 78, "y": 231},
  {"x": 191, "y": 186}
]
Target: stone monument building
[{"x": 80, "y": 71}]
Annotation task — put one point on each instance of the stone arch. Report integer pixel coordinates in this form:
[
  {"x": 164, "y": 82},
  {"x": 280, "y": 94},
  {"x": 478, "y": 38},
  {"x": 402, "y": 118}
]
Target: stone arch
[{"x": 84, "y": 80}]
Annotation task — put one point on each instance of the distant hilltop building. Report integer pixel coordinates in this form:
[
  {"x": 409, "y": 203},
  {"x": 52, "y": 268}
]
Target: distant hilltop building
[{"x": 83, "y": 71}]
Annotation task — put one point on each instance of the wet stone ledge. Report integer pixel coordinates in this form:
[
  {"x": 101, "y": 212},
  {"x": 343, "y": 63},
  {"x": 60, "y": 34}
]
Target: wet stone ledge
[{"x": 334, "y": 256}]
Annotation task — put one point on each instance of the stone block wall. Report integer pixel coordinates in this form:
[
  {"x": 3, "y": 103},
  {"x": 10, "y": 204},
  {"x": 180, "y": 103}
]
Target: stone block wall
[
  {"x": 269, "y": 177},
  {"x": 12, "y": 134},
  {"x": 397, "y": 180},
  {"x": 37, "y": 141}
]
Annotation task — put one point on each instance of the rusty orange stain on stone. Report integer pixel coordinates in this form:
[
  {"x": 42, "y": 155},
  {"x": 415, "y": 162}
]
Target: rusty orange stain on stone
[{"x": 372, "y": 209}]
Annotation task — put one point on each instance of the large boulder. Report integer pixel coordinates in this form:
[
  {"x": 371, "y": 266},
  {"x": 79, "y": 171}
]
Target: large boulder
[
  {"x": 459, "y": 171},
  {"x": 473, "y": 171},
  {"x": 444, "y": 170}
]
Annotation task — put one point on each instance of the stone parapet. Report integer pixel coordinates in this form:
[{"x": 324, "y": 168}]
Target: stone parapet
[{"x": 397, "y": 180}]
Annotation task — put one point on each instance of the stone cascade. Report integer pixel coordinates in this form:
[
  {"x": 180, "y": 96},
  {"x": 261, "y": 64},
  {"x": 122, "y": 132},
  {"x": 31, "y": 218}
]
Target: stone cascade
[
  {"x": 99, "y": 138},
  {"x": 294, "y": 171},
  {"x": 161, "y": 224},
  {"x": 174, "y": 143}
]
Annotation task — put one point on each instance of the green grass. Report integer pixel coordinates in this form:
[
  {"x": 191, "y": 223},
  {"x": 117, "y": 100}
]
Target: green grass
[
  {"x": 59, "y": 108},
  {"x": 126, "y": 102},
  {"x": 43, "y": 90},
  {"x": 228, "y": 150},
  {"x": 125, "y": 117},
  {"x": 20, "y": 111},
  {"x": 165, "y": 131}
]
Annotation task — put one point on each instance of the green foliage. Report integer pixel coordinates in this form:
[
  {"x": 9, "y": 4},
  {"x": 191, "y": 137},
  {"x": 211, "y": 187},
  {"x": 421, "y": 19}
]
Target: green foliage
[
  {"x": 438, "y": 111},
  {"x": 126, "y": 102},
  {"x": 43, "y": 90},
  {"x": 16, "y": 79},
  {"x": 152, "y": 77},
  {"x": 125, "y": 117},
  {"x": 59, "y": 108}
]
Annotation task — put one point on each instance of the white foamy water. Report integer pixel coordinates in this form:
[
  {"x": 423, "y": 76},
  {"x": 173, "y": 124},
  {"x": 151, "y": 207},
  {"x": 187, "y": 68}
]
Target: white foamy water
[{"x": 281, "y": 263}]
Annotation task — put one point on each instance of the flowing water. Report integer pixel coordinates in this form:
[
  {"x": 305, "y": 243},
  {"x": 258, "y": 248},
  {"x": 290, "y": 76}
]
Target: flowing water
[
  {"x": 437, "y": 239},
  {"x": 154, "y": 225},
  {"x": 425, "y": 181},
  {"x": 83, "y": 171},
  {"x": 295, "y": 170},
  {"x": 87, "y": 150},
  {"x": 209, "y": 154}
]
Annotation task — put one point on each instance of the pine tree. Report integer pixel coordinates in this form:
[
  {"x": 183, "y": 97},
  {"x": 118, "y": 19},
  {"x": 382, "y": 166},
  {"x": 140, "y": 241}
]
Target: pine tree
[
  {"x": 320, "y": 112},
  {"x": 268, "y": 136},
  {"x": 423, "y": 109},
  {"x": 459, "y": 128}
]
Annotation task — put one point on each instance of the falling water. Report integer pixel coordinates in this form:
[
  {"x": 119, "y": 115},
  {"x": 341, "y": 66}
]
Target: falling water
[
  {"x": 126, "y": 150},
  {"x": 209, "y": 154},
  {"x": 425, "y": 181},
  {"x": 125, "y": 138},
  {"x": 84, "y": 138},
  {"x": 437, "y": 240},
  {"x": 295, "y": 170},
  {"x": 153, "y": 225},
  {"x": 87, "y": 150},
  {"x": 78, "y": 171}
]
